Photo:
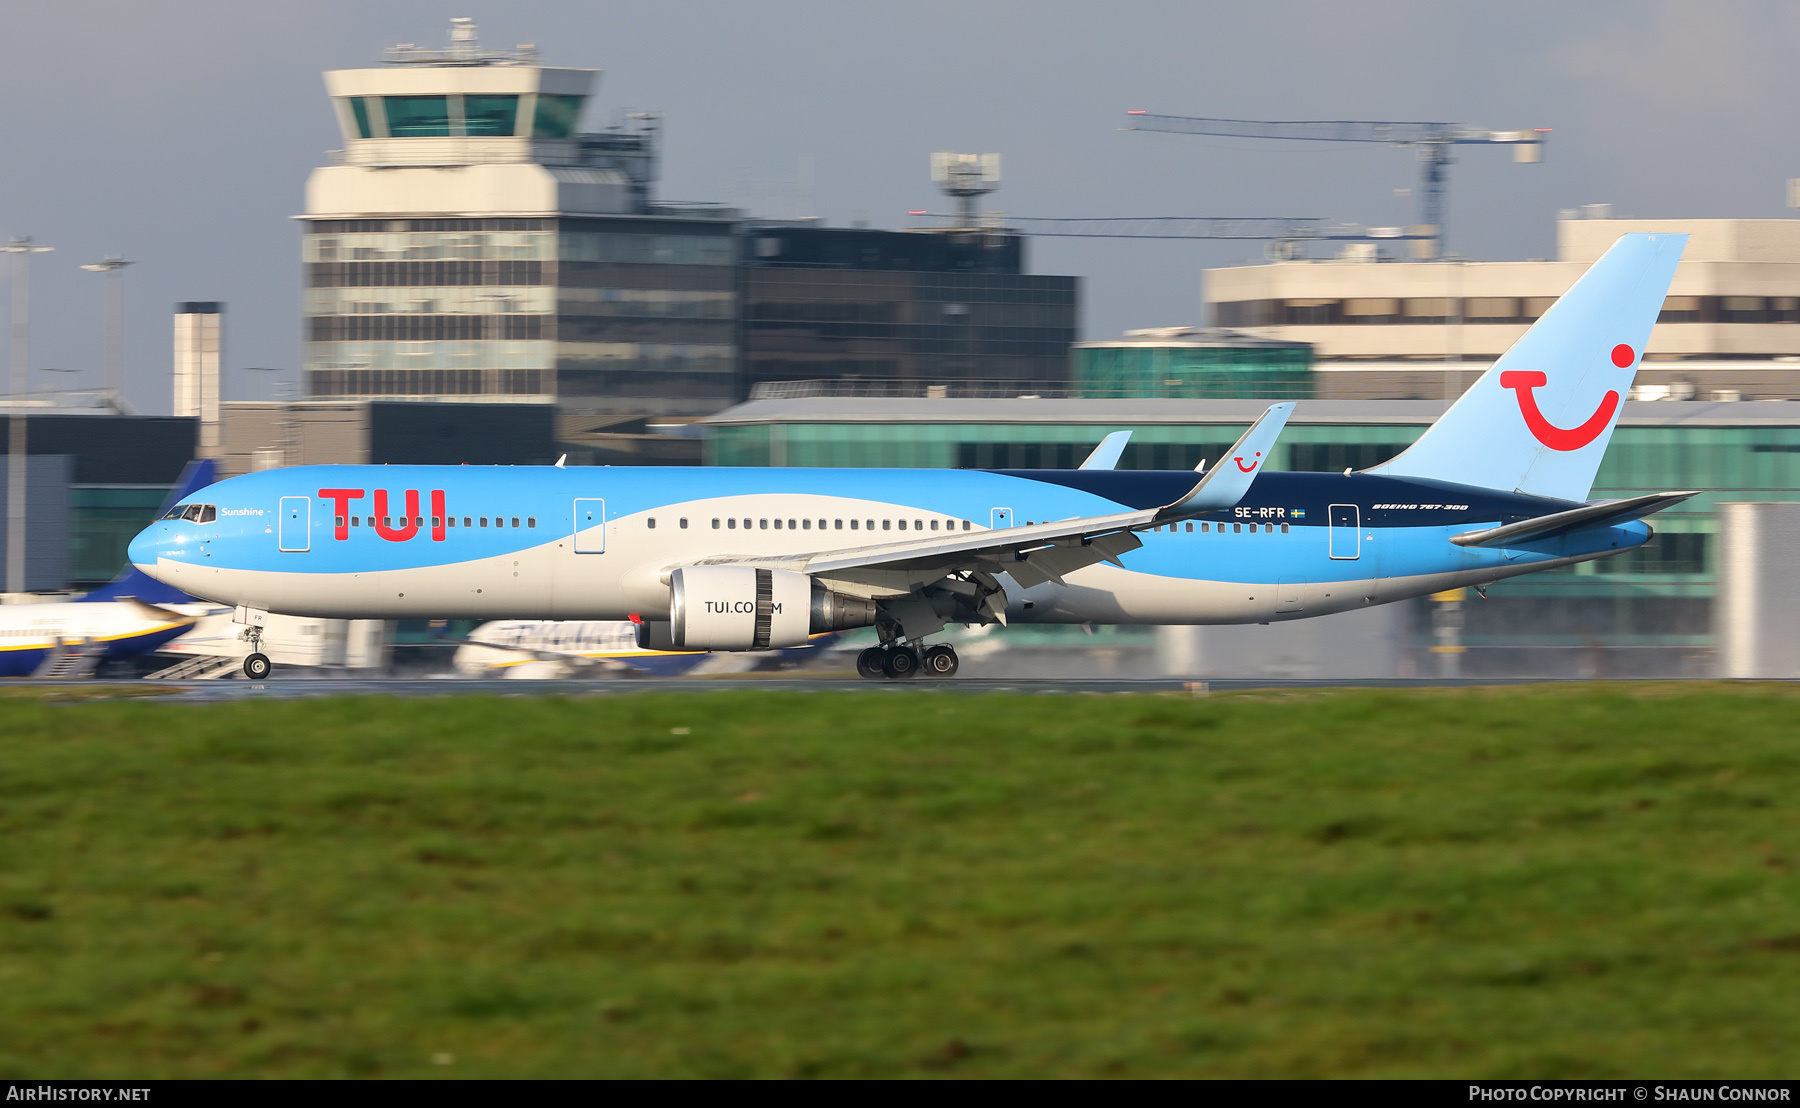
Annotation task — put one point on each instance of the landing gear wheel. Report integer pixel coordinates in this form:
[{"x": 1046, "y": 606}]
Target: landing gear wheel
[
  {"x": 256, "y": 666},
  {"x": 868, "y": 664},
  {"x": 939, "y": 661},
  {"x": 900, "y": 663}
]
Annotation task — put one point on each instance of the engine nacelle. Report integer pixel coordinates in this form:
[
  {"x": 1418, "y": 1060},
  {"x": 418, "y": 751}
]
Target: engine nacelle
[{"x": 744, "y": 608}]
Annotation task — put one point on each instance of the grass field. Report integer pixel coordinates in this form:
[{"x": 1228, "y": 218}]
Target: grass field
[{"x": 1555, "y": 881}]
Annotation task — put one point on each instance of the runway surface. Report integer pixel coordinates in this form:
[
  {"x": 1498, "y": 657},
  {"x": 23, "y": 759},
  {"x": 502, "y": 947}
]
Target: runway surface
[{"x": 304, "y": 687}]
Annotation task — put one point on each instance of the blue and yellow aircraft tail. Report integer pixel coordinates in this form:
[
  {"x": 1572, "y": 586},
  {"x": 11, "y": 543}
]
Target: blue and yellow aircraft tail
[
  {"x": 1538, "y": 421},
  {"x": 195, "y": 476}
]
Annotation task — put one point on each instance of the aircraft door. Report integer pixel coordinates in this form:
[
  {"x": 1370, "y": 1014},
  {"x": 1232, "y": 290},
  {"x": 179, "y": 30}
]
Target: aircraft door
[
  {"x": 1002, "y": 518},
  {"x": 1346, "y": 531},
  {"x": 590, "y": 527},
  {"x": 294, "y": 528}
]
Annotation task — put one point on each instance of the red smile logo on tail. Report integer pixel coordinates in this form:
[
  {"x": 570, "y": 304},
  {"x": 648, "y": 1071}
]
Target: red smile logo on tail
[
  {"x": 1564, "y": 438},
  {"x": 1242, "y": 468}
]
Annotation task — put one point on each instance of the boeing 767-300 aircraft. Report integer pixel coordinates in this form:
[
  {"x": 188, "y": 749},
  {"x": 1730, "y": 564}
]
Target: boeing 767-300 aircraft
[{"x": 754, "y": 559}]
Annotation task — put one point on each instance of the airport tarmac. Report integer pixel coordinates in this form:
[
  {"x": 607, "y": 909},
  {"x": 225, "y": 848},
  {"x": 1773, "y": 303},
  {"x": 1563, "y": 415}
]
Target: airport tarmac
[{"x": 303, "y": 687}]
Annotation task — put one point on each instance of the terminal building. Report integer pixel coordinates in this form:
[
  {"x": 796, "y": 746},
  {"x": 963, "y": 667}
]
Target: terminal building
[
  {"x": 1648, "y": 613},
  {"x": 1729, "y": 328}
]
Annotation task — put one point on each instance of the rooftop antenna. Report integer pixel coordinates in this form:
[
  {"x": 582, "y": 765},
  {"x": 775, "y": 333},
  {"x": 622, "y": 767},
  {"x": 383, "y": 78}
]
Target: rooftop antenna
[
  {"x": 464, "y": 49},
  {"x": 966, "y": 176}
]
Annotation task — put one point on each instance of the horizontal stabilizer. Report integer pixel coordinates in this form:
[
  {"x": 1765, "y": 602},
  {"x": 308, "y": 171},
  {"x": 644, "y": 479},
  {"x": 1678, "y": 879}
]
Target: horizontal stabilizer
[{"x": 1603, "y": 514}]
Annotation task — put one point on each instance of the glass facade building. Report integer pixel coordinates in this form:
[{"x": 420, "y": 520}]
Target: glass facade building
[
  {"x": 595, "y": 312},
  {"x": 1645, "y": 613},
  {"x": 844, "y": 303},
  {"x": 1193, "y": 365}
]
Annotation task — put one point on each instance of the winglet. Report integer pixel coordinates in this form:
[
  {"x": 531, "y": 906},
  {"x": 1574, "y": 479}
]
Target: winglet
[
  {"x": 1106, "y": 455},
  {"x": 561, "y": 460},
  {"x": 1231, "y": 476}
]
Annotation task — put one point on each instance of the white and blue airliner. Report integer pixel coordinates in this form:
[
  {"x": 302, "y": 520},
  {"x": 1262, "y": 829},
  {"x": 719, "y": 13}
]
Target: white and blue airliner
[{"x": 754, "y": 559}]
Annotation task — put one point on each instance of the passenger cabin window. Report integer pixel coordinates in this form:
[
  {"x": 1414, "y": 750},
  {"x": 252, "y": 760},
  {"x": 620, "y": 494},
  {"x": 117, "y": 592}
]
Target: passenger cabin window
[
  {"x": 356, "y": 521},
  {"x": 732, "y": 523},
  {"x": 1237, "y": 528},
  {"x": 531, "y": 521},
  {"x": 887, "y": 525},
  {"x": 652, "y": 522},
  {"x": 806, "y": 525},
  {"x": 778, "y": 525},
  {"x": 683, "y": 523},
  {"x": 903, "y": 525},
  {"x": 715, "y": 525},
  {"x": 515, "y": 520},
  {"x": 765, "y": 525},
  {"x": 1284, "y": 528},
  {"x": 790, "y": 525},
  {"x": 467, "y": 521},
  {"x": 484, "y": 521},
  {"x": 853, "y": 525},
  {"x": 450, "y": 521}
]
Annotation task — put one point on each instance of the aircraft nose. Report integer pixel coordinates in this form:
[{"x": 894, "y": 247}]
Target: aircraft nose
[{"x": 142, "y": 550}]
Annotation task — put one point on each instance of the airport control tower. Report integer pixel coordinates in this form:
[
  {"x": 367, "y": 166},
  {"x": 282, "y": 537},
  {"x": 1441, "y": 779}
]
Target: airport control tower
[{"x": 470, "y": 242}]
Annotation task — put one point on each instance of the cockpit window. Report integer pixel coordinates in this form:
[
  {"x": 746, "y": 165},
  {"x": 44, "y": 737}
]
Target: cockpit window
[{"x": 197, "y": 513}]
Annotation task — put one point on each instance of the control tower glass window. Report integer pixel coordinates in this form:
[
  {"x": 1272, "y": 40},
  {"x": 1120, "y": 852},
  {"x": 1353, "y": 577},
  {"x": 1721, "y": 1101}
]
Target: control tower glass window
[
  {"x": 490, "y": 116},
  {"x": 556, "y": 116},
  {"x": 360, "y": 109},
  {"x": 418, "y": 116}
]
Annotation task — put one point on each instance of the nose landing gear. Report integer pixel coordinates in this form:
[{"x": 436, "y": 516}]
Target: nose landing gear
[
  {"x": 897, "y": 663},
  {"x": 257, "y": 665}
]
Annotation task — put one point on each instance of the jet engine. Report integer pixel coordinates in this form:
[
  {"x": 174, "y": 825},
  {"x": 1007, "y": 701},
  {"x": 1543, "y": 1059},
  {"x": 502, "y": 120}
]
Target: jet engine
[{"x": 744, "y": 608}]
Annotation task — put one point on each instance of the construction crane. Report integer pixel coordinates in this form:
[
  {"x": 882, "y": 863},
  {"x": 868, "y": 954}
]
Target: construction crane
[
  {"x": 1434, "y": 141},
  {"x": 966, "y": 177},
  {"x": 1284, "y": 233}
]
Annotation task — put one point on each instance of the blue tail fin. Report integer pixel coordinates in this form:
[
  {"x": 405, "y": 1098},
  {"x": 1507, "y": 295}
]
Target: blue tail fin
[
  {"x": 1539, "y": 420},
  {"x": 195, "y": 476}
]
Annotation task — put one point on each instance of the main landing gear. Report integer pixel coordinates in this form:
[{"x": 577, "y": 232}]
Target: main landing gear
[{"x": 895, "y": 663}]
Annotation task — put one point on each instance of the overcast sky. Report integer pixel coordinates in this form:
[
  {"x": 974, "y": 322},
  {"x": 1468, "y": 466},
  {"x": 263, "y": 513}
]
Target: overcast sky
[{"x": 180, "y": 133}]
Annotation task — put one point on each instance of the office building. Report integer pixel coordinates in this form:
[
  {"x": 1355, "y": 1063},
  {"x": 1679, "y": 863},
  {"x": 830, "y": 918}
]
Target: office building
[{"x": 899, "y": 310}]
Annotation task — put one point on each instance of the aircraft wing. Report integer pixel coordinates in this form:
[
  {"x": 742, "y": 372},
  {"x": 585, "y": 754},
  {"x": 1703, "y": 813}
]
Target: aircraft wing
[
  {"x": 1042, "y": 551},
  {"x": 156, "y": 613},
  {"x": 1604, "y": 513}
]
